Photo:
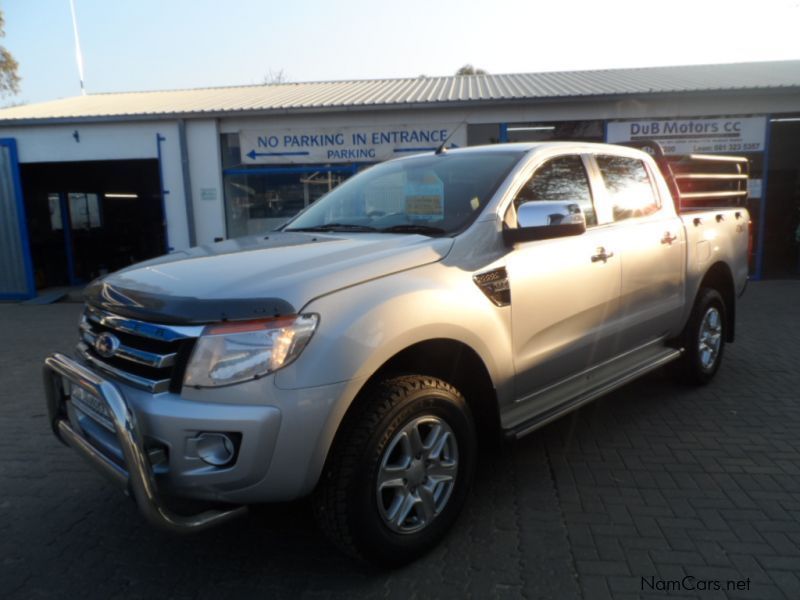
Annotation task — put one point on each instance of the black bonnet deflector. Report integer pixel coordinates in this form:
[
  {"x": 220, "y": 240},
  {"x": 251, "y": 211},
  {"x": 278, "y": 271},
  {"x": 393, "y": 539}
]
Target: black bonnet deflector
[{"x": 181, "y": 310}]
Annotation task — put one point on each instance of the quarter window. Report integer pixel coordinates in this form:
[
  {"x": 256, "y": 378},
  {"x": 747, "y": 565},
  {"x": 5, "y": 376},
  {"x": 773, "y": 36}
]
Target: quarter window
[
  {"x": 629, "y": 189},
  {"x": 560, "y": 179}
]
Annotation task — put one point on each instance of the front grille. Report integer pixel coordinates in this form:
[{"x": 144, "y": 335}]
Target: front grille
[{"x": 146, "y": 355}]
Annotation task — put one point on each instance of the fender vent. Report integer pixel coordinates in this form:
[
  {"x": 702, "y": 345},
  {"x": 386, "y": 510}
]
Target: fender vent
[{"x": 494, "y": 284}]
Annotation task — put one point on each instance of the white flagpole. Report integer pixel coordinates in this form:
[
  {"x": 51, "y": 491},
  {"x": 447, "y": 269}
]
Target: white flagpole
[{"x": 78, "y": 55}]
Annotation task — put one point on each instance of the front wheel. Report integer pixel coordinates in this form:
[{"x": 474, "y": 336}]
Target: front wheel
[
  {"x": 399, "y": 470},
  {"x": 703, "y": 338}
]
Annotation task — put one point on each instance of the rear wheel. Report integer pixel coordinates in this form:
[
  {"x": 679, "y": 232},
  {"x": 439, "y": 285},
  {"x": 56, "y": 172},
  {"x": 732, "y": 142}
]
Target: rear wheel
[
  {"x": 399, "y": 471},
  {"x": 703, "y": 339}
]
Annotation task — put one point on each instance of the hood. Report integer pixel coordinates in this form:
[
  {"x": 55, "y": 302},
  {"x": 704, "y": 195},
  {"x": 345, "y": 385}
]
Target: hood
[{"x": 258, "y": 276}]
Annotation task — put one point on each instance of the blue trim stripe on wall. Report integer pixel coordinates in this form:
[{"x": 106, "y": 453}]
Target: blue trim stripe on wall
[{"x": 66, "y": 226}]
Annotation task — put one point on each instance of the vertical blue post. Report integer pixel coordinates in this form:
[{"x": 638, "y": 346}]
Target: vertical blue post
[
  {"x": 762, "y": 206},
  {"x": 22, "y": 221},
  {"x": 503, "y": 133},
  {"x": 66, "y": 227}
]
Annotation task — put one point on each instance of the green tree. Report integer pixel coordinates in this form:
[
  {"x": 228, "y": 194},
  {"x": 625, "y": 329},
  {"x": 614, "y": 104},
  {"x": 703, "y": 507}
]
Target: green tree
[
  {"x": 468, "y": 69},
  {"x": 9, "y": 80}
]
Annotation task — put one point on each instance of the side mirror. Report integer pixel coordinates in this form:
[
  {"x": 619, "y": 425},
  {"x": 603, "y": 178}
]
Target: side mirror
[{"x": 546, "y": 220}]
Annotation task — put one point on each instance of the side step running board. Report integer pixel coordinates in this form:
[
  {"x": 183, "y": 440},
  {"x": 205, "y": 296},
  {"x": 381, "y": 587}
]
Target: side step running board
[{"x": 600, "y": 389}]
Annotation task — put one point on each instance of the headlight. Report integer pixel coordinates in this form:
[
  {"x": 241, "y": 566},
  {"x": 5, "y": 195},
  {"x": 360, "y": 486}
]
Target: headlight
[{"x": 232, "y": 352}]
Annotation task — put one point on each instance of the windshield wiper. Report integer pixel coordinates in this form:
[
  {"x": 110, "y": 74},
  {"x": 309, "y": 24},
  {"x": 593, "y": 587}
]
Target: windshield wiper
[
  {"x": 335, "y": 227},
  {"x": 413, "y": 228}
]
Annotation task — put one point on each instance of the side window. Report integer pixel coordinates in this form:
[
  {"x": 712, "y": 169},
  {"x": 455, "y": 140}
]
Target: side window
[
  {"x": 562, "y": 178},
  {"x": 629, "y": 189}
]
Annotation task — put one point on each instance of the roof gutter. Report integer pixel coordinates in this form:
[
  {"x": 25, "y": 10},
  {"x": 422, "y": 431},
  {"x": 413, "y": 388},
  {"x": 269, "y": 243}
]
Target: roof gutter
[{"x": 494, "y": 102}]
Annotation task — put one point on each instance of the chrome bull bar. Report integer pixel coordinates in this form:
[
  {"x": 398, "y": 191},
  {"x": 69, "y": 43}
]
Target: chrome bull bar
[{"x": 138, "y": 478}]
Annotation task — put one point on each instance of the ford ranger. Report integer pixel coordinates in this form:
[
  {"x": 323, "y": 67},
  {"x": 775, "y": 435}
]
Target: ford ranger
[{"x": 358, "y": 353}]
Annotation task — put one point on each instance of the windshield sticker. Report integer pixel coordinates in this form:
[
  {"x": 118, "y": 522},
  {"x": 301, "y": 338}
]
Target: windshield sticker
[{"x": 425, "y": 198}]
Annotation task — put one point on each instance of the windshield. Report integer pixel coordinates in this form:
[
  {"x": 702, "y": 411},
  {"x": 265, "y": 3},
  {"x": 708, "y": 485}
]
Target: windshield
[{"x": 433, "y": 194}]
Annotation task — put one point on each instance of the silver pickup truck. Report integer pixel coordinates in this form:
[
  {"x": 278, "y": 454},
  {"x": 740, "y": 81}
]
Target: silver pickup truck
[{"x": 359, "y": 353}]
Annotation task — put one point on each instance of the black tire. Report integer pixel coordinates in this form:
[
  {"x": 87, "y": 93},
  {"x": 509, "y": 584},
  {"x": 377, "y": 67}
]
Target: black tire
[
  {"x": 700, "y": 362},
  {"x": 347, "y": 505}
]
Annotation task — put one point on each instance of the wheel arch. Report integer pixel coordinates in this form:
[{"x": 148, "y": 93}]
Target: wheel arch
[
  {"x": 458, "y": 364},
  {"x": 719, "y": 278},
  {"x": 452, "y": 361}
]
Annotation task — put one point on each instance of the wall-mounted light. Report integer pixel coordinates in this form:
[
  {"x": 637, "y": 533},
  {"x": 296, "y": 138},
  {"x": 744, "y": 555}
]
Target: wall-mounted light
[
  {"x": 533, "y": 128},
  {"x": 785, "y": 120},
  {"x": 121, "y": 195}
]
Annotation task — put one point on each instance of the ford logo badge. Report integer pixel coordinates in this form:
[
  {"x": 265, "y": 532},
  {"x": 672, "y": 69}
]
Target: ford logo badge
[{"x": 106, "y": 345}]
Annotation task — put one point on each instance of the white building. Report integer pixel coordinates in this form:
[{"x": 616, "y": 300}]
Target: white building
[{"x": 93, "y": 183}]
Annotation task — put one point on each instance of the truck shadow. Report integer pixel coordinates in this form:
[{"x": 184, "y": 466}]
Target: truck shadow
[{"x": 512, "y": 532}]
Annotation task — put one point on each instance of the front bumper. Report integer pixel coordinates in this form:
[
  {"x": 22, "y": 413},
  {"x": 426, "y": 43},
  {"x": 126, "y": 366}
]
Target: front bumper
[{"x": 133, "y": 472}]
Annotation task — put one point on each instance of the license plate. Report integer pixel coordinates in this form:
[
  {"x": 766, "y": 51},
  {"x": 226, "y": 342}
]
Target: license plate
[{"x": 89, "y": 404}]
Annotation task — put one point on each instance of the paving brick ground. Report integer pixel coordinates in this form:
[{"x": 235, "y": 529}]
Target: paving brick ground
[{"x": 653, "y": 485}]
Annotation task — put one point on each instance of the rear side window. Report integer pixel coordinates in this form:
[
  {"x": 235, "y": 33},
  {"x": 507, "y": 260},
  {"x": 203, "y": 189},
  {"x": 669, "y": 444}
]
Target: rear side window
[
  {"x": 629, "y": 188},
  {"x": 563, "y": 178}
]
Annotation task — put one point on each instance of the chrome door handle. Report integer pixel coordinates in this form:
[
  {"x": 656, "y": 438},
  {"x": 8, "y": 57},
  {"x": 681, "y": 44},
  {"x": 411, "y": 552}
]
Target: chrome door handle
[
  {"x": 601, "y": 255},
  {"x": 668, "y": 238}
]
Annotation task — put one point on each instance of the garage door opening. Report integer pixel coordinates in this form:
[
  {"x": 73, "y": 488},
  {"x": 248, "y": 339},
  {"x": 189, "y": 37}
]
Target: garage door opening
[
  {"x": 782, "y": 224},
  {"x": 86, "y": 219}
]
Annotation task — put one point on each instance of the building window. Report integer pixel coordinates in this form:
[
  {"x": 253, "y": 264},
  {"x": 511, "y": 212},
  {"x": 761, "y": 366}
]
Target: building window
[
  {"x": 589, "y": 131},
  {"x": 483, "y": 133},
  {"x": 54, "y": 204},
  {"x": 84, "y": 211},
  {"x": 264, "y": 198},
  {"x": 260, "y": 198}
]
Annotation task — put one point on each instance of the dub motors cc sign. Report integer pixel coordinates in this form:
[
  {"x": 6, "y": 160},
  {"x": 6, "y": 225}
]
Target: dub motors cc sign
[{"x": 687, "y": 136}]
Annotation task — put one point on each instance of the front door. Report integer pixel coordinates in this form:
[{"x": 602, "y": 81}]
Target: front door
[{"x": 564, "y": 292}]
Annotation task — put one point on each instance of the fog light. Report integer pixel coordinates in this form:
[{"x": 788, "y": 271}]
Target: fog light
[{"x": 216, "y": 449}]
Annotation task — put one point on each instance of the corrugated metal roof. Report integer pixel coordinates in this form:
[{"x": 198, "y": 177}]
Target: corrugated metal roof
[{"x": 342, "y": 95}]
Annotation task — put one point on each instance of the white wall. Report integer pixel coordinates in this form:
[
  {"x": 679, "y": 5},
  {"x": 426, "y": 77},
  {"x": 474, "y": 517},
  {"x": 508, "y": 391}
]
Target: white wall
[
  {"x": 113, "y": 141},
  {"x": 137, "y": 139},
  {"x": 205, "y": 171}
]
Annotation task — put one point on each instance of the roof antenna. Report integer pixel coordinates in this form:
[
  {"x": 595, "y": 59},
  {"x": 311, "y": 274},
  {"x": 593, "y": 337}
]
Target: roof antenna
[{"x": 442, "y": 147}]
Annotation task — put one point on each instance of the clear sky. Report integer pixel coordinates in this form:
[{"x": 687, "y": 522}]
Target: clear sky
[{"x": 131, "y": 45}]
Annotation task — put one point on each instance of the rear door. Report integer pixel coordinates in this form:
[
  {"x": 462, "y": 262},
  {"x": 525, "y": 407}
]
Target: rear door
[
  {"x": 652, "y": 245},
  {"x": 563, "y": 297}
]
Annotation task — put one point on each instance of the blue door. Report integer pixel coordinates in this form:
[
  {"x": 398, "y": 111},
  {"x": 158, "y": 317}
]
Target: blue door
[{"x": 16, "y": 267}]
